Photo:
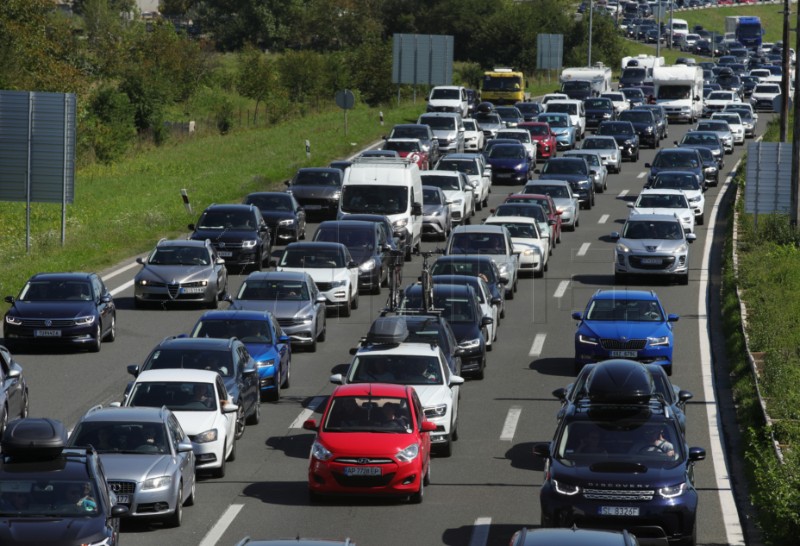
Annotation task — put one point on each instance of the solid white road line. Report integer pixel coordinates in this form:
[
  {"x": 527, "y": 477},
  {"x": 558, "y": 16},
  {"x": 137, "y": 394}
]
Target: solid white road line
[
  {"x": 623, "y": 193},
  {"x": 641, "y": 174},
  {"x": 480, "y": 532},
  {"x": 603, "y": 219},
  {"x": 216, "y": 532},
  {"x": 121, "y": 288},
  {"x": 585, "y": 246},
  {"x": 308, "y": 412},
  {"x": 561, "y": 290},
  {"x": 510, "y": 426},
  {"x": 120, "y": 270},
  {"x": 730, "y": 515},
  {"x": 537, "y": 345}
]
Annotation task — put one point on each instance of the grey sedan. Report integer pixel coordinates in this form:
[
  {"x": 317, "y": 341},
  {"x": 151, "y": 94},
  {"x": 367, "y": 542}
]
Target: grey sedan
[
  {"x": 147, "y": 458},
  {"x": 436, "y": 220},
  {"x": 292, "y": 298},
  {"x": 181, "y": 271}
]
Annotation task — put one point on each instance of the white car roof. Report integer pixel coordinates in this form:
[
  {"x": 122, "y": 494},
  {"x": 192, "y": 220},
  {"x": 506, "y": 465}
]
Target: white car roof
[
  {"x": 405, "y": 348},
  {"x": 479, "y": 229},
  {"x": 657, "y": 191},
  {"x": 655, "y": 217},
  {"x": 178, "y": 374},
  {"x": 510, "y": 220}
]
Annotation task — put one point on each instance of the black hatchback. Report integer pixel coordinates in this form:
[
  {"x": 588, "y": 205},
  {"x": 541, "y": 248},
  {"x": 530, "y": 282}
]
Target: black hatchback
[
  {"x": 644, "y": 122},
  {"x": 625, "y": 135},
  {"x": 282, "y": 213},
  {"x": 598, "y": 109},
  {"x": 317, "y": 189},
  {"x": 238, "y": 233},
  {"x": 368, "y": 246}
]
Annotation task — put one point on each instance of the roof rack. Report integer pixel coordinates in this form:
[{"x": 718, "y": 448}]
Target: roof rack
[{"x": 372, "y": 160}]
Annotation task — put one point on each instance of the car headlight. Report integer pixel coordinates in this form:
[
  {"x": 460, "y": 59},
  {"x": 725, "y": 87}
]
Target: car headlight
[
  {"x": 648, "y": 130},
  {"x": 458, "y": 202},
  {"x": 265, "y": 363},
  {"x": 503, "y": 269},
  {"x": 408, "y": 454},
  {"x": 588, "y": 340},
  {"x": 369, "y": 265},
  {"x": 686, "y": 218},
  {"x": 287, "y": 222},
  {"x": 337, "y": 284},
  {"x": 520, "y": 167},
  {"x": 670, "y": 492},
  {"x": 530, "y": 252},
  {"x": 470, "y": 343},
  {"x": 84, "y": 321},
  {"x": 432, "y": 412},
  {"x": 306, "y": 319},
  {"x": 662, "y": 341},
  {"x": 105, "y": 542},
  {"x": 623, "y": 248},
  {"x": 606, "y": 115},
  {"x": 320, "y": 452},
  {"x": 207, "y": 436},
  {"x": 16, "y": 321},
  {"x": 435, "y": 214},
  {"x": 683, "y": 249},
  {"x": 565, "y": 489},
  {"x": 157, "y": 483},
  {"x": 336, "y": 195},
  {"x": 249, "y": 243},
  {"x": 685, "y": 109},
  {"x": 397, "y": 224},
  {"x": 695, "y": 199},
  {"x": 628, "y": 142}
]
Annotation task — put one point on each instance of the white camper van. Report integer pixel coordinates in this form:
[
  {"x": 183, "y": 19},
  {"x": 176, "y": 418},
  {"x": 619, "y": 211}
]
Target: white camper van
[
  {"x": 679, "y": 89},
  {"x": 389, "y": 186}
]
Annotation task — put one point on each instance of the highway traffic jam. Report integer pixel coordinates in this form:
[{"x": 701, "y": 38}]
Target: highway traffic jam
[{"x": 495, "y": 314}]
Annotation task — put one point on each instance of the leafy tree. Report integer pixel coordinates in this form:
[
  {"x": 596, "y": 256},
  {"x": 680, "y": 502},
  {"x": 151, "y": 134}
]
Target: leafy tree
[
  {"x": 110, "y": 130},
  {"x": 370, "y": 66},
  {"x": 329, "y": 25},
  {"x": 234, "y": 23},
  {"x": 255, "y": 75}
]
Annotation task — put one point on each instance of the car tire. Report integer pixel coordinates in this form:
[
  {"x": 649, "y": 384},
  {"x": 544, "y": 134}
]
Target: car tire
[
  {"x": 478, "y": 206},
  {"x": 354, "y": 301},
  {"x": 220, "y": 472},
  {"x": 111, "y": 335},
  {"x": 273, "y": 395},
  {"x": 416, "y": 498},
  {"x": 232, "y": 456},
  {"x": 255, "y": 417},
  {"x": 668, "y": 369},
  {"x": 577, "y": 367},
  {"x": 26, "y": 406},
  {"x": 213, "y": 303},
  {"x": 701, "y": 219},
  {"x": 323, "y": 334},
  {"x": 691, "y": 540},
  {"x": 684, "y": 280},
  {"x": 192, "y": 494},
  {"x": 314, "y": 497},
  {"x": 377, "y": 288},
  {"x": 97, "y": 341},
  {"x": 447, "y": 449},
  {"x": 344, "y": 310},
  {"x": 427, "y": 477},
  {"x": 240, "y": 422},
  {"x": 176, "y": 517},
  {"x": 288, "y": 380},
  {"x": 509, "y": 293}
]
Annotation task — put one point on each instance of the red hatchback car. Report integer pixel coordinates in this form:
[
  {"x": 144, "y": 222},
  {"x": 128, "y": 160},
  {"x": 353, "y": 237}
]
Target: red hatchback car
[
  {"x": 373, "y": 439},
  {"x": 543, "y": 136},
  {"x": 410, "y": 148},
  {"x": 549, "y": 207}
]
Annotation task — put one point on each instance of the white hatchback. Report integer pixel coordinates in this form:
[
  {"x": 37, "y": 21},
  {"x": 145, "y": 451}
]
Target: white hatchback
[
  {"x": 532, "y": 245},
  {"x": 665, "y": 202}
]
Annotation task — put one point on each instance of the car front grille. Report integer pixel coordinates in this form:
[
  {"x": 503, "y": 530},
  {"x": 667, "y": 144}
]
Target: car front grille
[
  {"x": 47, "y": 323},
  {"x": 363, "y": 481},
  {"x": 122, "y": 488},
  {"x": 284, "y": 322},
  {"x": 227, "y": 245},
  {"x": 617, "y": 344},
  {"x": 324, "y": 286},
  {"x": 619, "y": 495}
]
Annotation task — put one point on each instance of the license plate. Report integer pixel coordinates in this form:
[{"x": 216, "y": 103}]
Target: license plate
[
  {"x": 623, "y": 354},
  {"x": 362, "y": 471},
  {"x": 47, "y": 333},
  {"x": 503, "y": 175},
  {"x": 193, "y": 290},
  {"x": 123, "y": 499},
  {"x": 225, "y": 253},
  {"x": 312, "y": 207},
  {"x": 618, "y": 511},
  {"x": 651, "y": 261}
]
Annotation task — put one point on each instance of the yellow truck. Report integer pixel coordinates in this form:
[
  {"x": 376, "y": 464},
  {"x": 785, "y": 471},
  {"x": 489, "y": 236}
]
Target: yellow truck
[{"x": 503, "y": 86}]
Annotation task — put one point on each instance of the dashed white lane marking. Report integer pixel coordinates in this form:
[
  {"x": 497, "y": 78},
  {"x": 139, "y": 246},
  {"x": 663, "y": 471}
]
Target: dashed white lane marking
[
  {"x": 641, "y": 174},
  {"x": 561, "y": 290},
  {"x": 537, "y": 345},
  {"x": 480, "y": 532},
  {"x": 603, "y": 219},
  {"x": 585, "y": 246},
  {"x": 216, "y": 532},
  {"x": 307, "y": 413},
  {"x": 510, "y": 426},
  {"x": 623, "y": 193}
]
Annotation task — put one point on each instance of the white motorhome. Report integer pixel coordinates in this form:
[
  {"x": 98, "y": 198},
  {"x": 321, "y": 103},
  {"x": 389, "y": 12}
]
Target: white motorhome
[
  {"x": 678, "y": 28},
  {"x": 586, "y": 81},
  {"x": 638, "y": 70},
  {"x": 389, "y": 186},
  {"x": 679, "y": 89}
]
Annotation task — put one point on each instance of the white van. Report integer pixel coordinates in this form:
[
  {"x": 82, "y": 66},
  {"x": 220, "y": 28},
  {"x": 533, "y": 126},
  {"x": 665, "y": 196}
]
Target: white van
[
  {"x": 388, "y": 186},
  {"x": 575, "y": 109},
  {"x": 678, "y": 29}
]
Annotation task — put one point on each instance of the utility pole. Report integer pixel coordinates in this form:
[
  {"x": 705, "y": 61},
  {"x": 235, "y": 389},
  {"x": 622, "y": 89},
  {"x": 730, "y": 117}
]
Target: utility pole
[
  {"x": 786, "y": 76},
  {"x": 796, "y": 131},
  {"x": 660, "y": 9},
  {"x": 671, "y": 4},
  {"x": 591, "y": 12}
]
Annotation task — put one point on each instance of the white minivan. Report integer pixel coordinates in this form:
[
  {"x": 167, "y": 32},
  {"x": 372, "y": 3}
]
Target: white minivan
[{"x": 390, "y": 186}]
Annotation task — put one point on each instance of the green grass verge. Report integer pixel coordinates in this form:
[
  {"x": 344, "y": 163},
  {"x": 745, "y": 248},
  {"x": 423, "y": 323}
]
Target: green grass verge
[{"x": 123, "y": 209}]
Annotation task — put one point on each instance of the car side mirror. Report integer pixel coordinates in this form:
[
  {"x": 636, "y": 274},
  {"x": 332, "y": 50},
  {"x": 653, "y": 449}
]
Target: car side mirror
[
  {"x": 456, "y": 380},
  {"x": 284, "y": 339},
  {"x": 337, "y": 379},
  {"x": 140, "y": 261},
  {"x": 310, "y": 424},
  {"x": 560, "y": 393},
  {"x": 672, "y": 317},
  {"x": 428, "y": 426},
  {"x": 691, "y": 237},
  {"x": 191, "y": 226},
  {"x": 184, "y": 447},
  {"x": 577, "y": 315},
  {"x": 119, "y": 510},
  {"x": 321, "y": 299},
  {"x": 697, "y": 454},
  {"x": 675, "y": 142},
  {"x": 503, "y": 280},
  {"x": 542, "y": 450},
  {"x": 133, "y": 369},
  {"x": 614, "y": 235},
  {"x": 227, "y": 407},
  {"x": 9, "y": 299},
  {"x": 537, "y": 171},
  {"x": 684, "y": 396},
  {"x": 486, "y": 321},
  {"x": 416, "y": 208},
  {"x": 497, "y": 301},
  {"x": 352, "y": 265},
  {"x": 220, "y": 261},
  {"x": 648, "y": 166},
  {"x": 287, "y": 183},
  {"x": 696, "y": 97}
]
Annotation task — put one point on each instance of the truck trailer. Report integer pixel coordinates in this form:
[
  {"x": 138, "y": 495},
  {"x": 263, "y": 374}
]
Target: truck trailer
[{"x": 746, "y": 28}]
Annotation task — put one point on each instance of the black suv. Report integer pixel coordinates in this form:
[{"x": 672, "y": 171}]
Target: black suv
[
  {"x": 227, "y": 356},
  {"x": 367, "y": 244},
  {"x": 662, "y": 123},
  {"x": 598, "y": 109},
  {"x": 238, "y": 233},
  {"x": 625, "y": 135},
  {"x": 644, "y": 123},
  {"x": 619, "y": 460},
  {"x": 53, "y": 495}
]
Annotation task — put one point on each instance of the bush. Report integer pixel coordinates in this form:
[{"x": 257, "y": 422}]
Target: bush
[{"x": 110, "y": 128}]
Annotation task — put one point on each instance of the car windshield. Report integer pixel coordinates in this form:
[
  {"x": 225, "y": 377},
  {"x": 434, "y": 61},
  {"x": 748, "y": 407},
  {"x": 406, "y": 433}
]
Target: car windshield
[
  {"x": 538, "y": 130},
  {"x": 271, "y": 202},
  {"x": 530, "y": 210},
  {"x": 541, "y": 201},
  {"x": 440, "y": 93},
  {"x": 375, "y": 199},
  {"x": 695, "y": 138},
  {"x": 431, "y": 197},
  {"x": 769, "y": 89},
  {"x": 529, "y": 107},
  {"x": 227, "y": 219},
  {"x": 599, "y": 144},
  {"x": 633, "y": 93},
  {"x": 454, "y": 309},
  {"x": 522, "y": 231},
  {"x": 516, "y": 135},
  {"x": 662, "y": 201},
  {"x": 719, "y": 126},
  {"x": 312, "y": 258},
  {"x": 676, "y": 181},
  {"x": 121, "y": 437},
  {"x": 732, "y": 119},
  {"x": 508, "y": 112},
  {"x": 506, "y": 151},
  {"x": 402, "y": 145},
  {"x": 576, "y": 85},
  {"x": 248, "y": 331},
  {"x": 564, "y": 167},
  {"x": 488, "y": 119},
  {"x": 720, "y": 95},
  {"x": 176, "y": 255},
  {"x": 622, "y": 309},
  {"x": 563, "y": 107},
  {"x": 466, "y": 166},
  {"x": 623, "y": 440},
  {"x": 443, "y": 181},
  {"x": 198, "y": 359},
  {"x": 56, "y": 290},
  {"x": 53, "y": 494},
  {"x": 446, "y": 123},
  {"x": 614, "y": 128},
  {"x": 592, "y": 159},
  {"x": 477, "y": 243},
  {"x": 318, "y": 178},
  {"x": 368, "y": 414},
  {"x": 356, "y": 240},
  {"x": 272, "y": 290},
  {"x": 555, "y": 121},
  {"x": 615, "y": 97},
  {"x": 648, "y": 229},
  {"x": 176, "y": 395},
  {"x": 473, "y": 268},
  {"x": 598, "y": 104},
  {"x": 676, "y": 161},
  {"x": 674, "y": 92},
  {"x": 397, "y": 369},
  {"x": 410, "y": 132},
  {"x": 637, "y": 116},
  {"x": 556, "y": 192},
  {"x": 470, "y": 125}
]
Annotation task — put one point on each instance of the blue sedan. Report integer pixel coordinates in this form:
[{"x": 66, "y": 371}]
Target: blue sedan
[
  {"x": 629, "y": 324},
  {"x": 264, "y": 339},
  {"x": 510, "y": 164}
]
